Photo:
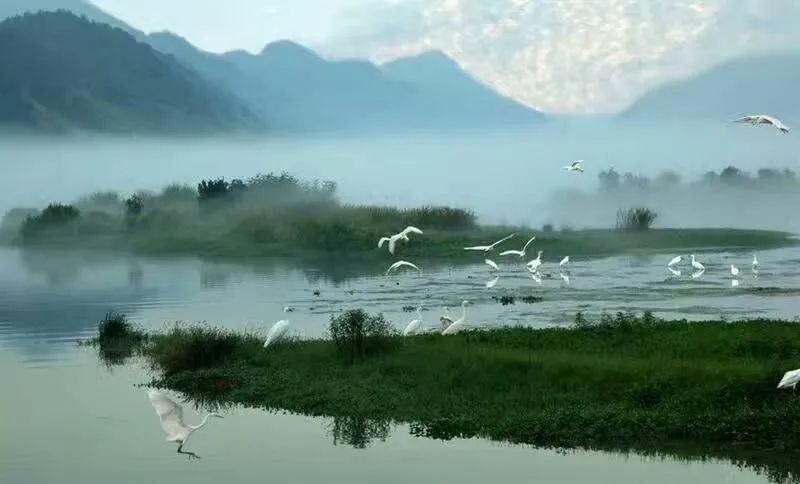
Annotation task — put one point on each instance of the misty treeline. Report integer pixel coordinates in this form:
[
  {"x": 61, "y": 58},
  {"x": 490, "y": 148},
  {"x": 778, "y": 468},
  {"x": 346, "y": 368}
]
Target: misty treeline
[
  {"x": 277, "y": 209},
  {"x": 730, "y": 197}
]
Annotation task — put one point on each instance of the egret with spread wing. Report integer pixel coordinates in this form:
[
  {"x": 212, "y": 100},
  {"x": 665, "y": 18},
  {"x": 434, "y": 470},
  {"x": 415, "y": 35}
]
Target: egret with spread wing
[
  {"x": 170, "y": 414},
  {"x": 487, "y": 248},
  {"x": 393, "y": 239},
  {"x": 575, "y": 166},
  {"x": 756, "y": 119},
  {"x": 519, "y": 253},
  {"x": 399, "y": 264}
]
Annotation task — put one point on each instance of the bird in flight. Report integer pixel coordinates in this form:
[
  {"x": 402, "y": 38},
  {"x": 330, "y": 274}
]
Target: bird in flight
[
  {"x": 519, "y": 253},
  {"x": 393, "y": 239},
  {"x": 575, "y": 166},
  {"x": 755, "y": 119},
  {"x": 170, "y": 415},
  {"x": 487, "y": 248},
  {"x": 399, "y": 264}
]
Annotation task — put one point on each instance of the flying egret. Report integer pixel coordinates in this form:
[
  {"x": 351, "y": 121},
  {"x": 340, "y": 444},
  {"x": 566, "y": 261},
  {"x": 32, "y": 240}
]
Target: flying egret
[
  {"x": 288, "y": 309},
  {"x": 414, "y": 325},
  {"x": 564, "y": 262},
  {"x": 492, "y": 283},
  {"x": 697, "y": 265},
  {"x": 446, "y": 320},
  {"x": 534, "y": 265},
  {"x": 734, "y": 271},
  {"x": 492, "y": 264},
  {"x": 399, "y": 264},
  {"x": 674, "y": 261},
  {"x": 393, "y": 239},
  {"x": 170, "y": 414},
  {"x": 698, "y": 274},
  {"x": 575, "y": 166},
  {"x": 487, "y": 248},
  {"x": 674, "y": 272},
  {"x": 459, "y": 323},
  {"x": 755, "y": 119},
  {"x": 277, "y": 332},
  {"x": 790, "y": 380},
  {"x": 519, "y": 253}
]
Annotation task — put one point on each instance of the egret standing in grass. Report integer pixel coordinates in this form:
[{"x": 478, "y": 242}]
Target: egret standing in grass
[
  {"x": 519, "y": 253},
  {"x": 756, "y": 119},
  {"x": 414, "y": 325},
  {"x": 575, "y": 166},
  {"x": 170, "y": 415},
  {"x": 790, "y": 380},
  {"x": 488, "y": 248},
  {"x": 399, "y": 264},
  {"x": 459, "y": 323}
]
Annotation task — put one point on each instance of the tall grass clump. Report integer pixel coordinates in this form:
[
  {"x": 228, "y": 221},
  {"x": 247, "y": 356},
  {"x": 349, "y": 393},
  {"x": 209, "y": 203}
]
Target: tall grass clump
[
  {"x": 358, "y": 334},
  {"x": 190, "y": 348},
  {"x": 636, "y": 219},
  {"x": 117, "y": 339}
]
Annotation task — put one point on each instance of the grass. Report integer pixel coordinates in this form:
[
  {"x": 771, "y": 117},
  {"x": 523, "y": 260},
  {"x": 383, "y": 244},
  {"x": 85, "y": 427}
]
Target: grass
[
  {"x": 621, "y": 383},
  {"x": 117, "y": 339}
]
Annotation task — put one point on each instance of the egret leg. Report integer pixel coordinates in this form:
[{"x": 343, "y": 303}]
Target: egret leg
[{"x": 191, "y": 455}]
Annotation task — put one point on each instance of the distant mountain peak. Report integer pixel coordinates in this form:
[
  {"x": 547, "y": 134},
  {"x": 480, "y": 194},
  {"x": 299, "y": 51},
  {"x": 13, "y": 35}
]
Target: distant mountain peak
[{"x": 289, "y": 49}]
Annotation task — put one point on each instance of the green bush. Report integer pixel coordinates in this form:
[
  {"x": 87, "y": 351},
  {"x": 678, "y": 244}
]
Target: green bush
[
  {"x": 117, "y": 339},
  {"x": 635, "y": 219},
  {"x": 56, "y": 219},
  {"x": 190, "y": 348},
  {"x": 357, "y": 334}
]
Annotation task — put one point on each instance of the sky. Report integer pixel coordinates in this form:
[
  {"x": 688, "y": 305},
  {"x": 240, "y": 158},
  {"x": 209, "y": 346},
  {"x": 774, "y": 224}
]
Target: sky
[{"x": 559, "y": 56}]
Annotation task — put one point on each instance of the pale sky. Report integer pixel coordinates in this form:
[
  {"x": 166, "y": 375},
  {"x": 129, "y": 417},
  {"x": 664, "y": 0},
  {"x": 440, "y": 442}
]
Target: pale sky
[{"x": 570, "y": 56}]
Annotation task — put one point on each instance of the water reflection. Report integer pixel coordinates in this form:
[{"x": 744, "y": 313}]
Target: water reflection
[{"x": 359, "y": 432}]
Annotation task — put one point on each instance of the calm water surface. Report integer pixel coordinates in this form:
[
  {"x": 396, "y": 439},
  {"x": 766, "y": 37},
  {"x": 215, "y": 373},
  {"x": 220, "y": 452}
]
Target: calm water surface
[{"x": 64, "y": 418}]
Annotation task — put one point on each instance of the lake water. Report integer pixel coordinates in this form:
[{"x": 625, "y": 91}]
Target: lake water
[{"x": 66, "y": 418}]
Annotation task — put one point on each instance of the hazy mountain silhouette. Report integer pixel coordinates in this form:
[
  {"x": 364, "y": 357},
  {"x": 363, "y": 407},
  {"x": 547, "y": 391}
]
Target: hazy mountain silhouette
[
  {"x": 11, "y": 8},
  {"x": 62, "y": 72},
  {"x": 763, "y": 84}
]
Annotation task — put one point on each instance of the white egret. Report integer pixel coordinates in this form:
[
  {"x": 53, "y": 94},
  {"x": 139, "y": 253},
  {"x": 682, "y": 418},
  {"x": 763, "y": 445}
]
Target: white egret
[
  {"x": 755, "y": 119},
  {"x": 170, "y": 414},
  {"x": 288, "y": 309},
  {"x": 492, "y": 283},
  {"x": 277, "y": 332},
  {"x": 393, "y": 239},
  {"x": 734, "y": 282},
  {"x": 446, "y": 320},
  {"x": 519, "y": 253},
  {"x": 790, "y": 379},
  {"x": 734, "y": 271},
  {"x": 459, "y": 323},
  {"x": 399, "y": 264},
  {"x": 564, "y": 261},
  {"x": 492, "y": 264},
  {"x": 535, "y": 263},
  {"x": 698, "y": 274},
  {"x": 487, "y": 248},
  {"x": 697, "y": 265},
  {"x": 414, "y": 325},
  {"x": 674, "y": 272},
  {"x": 674, "y": 261},
  {"x": 575, "y": 166},
  {"x": 564, "y": 277},
  {"x": 755, "y": 264}
]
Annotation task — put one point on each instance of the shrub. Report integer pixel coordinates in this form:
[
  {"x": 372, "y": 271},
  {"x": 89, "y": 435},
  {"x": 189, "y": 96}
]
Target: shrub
[
  {"x": 117, "y": 339},
  {"x": 635, "y": 219},
  {"x": 113, "y": 326},
  {"x": 54, "y": 218},
  {"x": 357, "y": 334},
  {"x": 548, "y": 228},
  {"x": 178, "y": 193},
  {"x": 212, "y": 191},
  {"x": 133, "y": 208}
]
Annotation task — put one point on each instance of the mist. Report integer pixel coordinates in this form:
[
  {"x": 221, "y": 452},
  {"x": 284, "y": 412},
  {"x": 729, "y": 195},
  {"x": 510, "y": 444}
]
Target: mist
[{"x": 507, "y": 176}]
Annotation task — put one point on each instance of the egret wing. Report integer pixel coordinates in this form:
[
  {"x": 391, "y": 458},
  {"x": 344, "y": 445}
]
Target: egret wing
[
  {"x": 411, "y": 230},
  {"x": 512, "y": 252},
  {"x": 169, "y": 413}
]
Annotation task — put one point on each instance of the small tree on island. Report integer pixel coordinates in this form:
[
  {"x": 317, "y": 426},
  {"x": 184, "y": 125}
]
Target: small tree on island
[
  {"x": 636, "y": 219},
  {"x": 133, "y": 209}
]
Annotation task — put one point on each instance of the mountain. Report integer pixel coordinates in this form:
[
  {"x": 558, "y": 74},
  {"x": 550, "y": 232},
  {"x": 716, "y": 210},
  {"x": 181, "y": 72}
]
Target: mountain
[
  {"x": 763, "y": 84},
  {"x": 12, "y": 8},
  {"x": 454, "y": 90},
  {"x": 61, "y": 72}
]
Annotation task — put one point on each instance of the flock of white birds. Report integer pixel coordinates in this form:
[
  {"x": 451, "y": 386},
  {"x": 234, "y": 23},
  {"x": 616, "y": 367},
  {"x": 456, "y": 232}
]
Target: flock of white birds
[{"x": 170, "y": 413}]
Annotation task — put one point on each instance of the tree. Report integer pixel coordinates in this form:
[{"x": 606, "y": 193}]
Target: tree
[
  {"x": 133, "y": 209},
  {"x": 609, "y": 180},
  {"x": 668, "y": 179}
]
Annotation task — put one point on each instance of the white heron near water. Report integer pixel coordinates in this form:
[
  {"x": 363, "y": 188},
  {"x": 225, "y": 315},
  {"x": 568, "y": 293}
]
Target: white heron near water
[
  {"x": 170, "y": 414},
  {"x": 519, "y": 253},
  {"x": 490, "y": 284},
  {"x": 457, "y": 325},
  {"x": 446, "y": 320},
  {"x": 697, "y": 265},
  {"x": 790, "y": 379},
  {"x": 492, "y": 264},
  {"x": 488, "y": 248},
  {"x": 399, "y": 264},
  {"x": 576, "y": 166},
  {"x": 564, "y": 262},
  {"x": 564, "y": 277},
  {"x": 393, "y": 239},
  {"x": 277, "y": 332},
  {"x": 734, "y": 271},
  {"x": 756, "y": 119},
  {"x": 533, "y": 266},
  {"x": 755, "y": 264},
  {"x": 415, "y": 325},
  {"x": 675, "y": 261},
  {"x": 673, "y": 271}
]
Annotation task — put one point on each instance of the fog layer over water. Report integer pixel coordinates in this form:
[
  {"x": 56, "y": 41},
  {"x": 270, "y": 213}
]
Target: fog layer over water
[{"x": 506, "y": 177}]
